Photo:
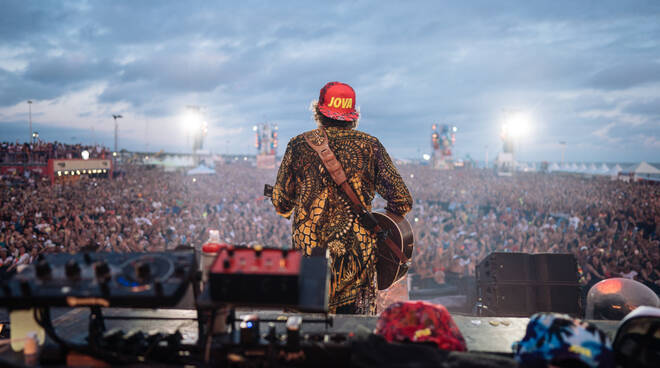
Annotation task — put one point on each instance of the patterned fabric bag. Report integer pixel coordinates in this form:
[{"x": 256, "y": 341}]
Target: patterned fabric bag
[
  {"x": 561, "y": 340},
  {"x": 420, "y": 322}
]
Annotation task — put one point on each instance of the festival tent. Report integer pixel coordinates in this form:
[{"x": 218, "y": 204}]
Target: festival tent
[
  {"x": 592, "y": 169},
  {"x": 565, "y": 167},
  {"x": 172, "y": 163},
  {"x": 603, "y": 169},
  {"x": 614, "y": 171},
  {"x": 201, "y": 170},
  {"x": 641, "y": 171},
  {"x": 554, "y": 167},
  {"x": 573, "y": 168},
  {"x": 582, "y": 168}
]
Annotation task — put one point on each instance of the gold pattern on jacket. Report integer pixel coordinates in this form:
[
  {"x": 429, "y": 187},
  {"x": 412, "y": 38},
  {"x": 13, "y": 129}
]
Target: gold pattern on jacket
[{"x": 321, "y": 213}]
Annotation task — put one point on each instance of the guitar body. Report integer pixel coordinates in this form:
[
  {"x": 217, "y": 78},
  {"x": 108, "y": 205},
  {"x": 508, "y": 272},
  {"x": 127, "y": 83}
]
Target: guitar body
[{"x": 388, "y": 268}]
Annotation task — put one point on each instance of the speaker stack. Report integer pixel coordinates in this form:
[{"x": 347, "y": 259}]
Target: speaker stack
[{"x": 521, "y": 284}]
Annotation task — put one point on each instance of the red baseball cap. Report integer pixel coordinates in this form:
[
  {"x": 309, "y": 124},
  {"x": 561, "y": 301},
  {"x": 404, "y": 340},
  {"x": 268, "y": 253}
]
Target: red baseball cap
[{"x": 337, "y": 101}]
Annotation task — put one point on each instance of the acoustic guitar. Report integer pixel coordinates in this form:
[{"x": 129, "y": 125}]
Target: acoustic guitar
[{"x": 389, "y": 269}]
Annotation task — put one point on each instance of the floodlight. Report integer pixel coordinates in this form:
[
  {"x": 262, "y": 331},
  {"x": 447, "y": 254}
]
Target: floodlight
[
  {"x": 192, "y": 122},
  {"x": 85, "y": 154},
  {"x": 426, "y": 156},
  {"x": 517, "y": 125}
]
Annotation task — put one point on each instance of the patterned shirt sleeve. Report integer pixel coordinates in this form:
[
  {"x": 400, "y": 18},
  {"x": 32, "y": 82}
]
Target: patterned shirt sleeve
[
  {"x": 390, "y": 185},
  {"x": 284, "y": 190}
]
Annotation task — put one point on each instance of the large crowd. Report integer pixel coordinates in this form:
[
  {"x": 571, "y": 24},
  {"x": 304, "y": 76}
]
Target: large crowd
[
  {"x": 142, "y": 210},
  {"x": 40, "y": 151},
  {"x": 459, "y": 217}
]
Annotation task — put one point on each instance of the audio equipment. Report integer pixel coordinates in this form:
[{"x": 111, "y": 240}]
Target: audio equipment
[
  {"x": 261, "y": 276},
  {"x": 101, "y": 279},
  {"x": 521, "y": 284}
]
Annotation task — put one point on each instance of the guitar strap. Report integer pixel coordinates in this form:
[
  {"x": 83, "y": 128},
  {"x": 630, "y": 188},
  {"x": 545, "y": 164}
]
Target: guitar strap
[{"x": 318, "y": 140}]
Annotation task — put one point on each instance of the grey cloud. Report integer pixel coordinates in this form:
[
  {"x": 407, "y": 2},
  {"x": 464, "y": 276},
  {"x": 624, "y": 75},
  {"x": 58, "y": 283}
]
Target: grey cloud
[
  {"x": 15, "y": 89},
  {"x": 649, "y": 107},
  {"x": 20, "y": 20},
  {"x": 411, "y": 65},
  {"x": 69, "y": 69},
  {"x": 137, "y": 93},
  {"x": 626, "y": 75}
]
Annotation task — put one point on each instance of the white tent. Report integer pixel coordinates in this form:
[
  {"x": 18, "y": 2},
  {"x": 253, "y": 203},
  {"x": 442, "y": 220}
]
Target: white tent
[
  {"x": 553, "y": 167},
  {"x": 640, "y": 171},
  {"x": 573, "y": 168},
  {"x": 201, "y": 170},
  {"x": 173, "y": 162},
  {"x": 592, "y": 169},
  {"x": 582, "y": 168},
  {"x": 603, "y": 169},
  {"x": 614, "y": 171}
]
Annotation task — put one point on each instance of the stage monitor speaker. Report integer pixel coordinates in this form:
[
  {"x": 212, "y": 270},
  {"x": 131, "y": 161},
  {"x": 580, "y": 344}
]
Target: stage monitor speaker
[{"x": 520, "y": 284}]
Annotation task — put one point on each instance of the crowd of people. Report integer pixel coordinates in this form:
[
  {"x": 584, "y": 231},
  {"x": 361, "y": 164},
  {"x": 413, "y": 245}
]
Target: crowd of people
[
  {"x": 459, "y": 217},
  {"x": 142, "y": 210},
  {"x": 39, "y": 151}
]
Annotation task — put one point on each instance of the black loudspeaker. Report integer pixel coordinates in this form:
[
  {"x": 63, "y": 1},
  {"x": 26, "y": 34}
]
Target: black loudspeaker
[{"x": 521, "y": 284}]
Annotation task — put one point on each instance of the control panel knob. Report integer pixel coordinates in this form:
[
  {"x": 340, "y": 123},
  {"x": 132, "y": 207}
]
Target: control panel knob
[
  {"x": 72, "y": 269},
  {"x": 143, "y": 271},
  {"x": 43, "y": 270},
  {"x": 249, "y": 328},
  {"x": 102, "y": 271},
  {"x": 180, "y": 271},
  {"x": 293, "y": 324}
]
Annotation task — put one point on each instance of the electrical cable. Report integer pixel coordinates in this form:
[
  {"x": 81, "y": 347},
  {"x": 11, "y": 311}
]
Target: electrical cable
[{"x": 42, "y": 316}]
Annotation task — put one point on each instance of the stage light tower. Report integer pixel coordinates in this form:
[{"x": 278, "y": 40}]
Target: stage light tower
[
  {"x": 563, "y": 149},
  {"x": 116, "y": 128},
  {"x": 30, "y": 119}
]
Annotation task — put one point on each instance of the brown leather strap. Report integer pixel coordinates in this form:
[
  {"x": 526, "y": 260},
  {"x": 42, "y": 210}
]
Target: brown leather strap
[{"x": 318, "y": 140}]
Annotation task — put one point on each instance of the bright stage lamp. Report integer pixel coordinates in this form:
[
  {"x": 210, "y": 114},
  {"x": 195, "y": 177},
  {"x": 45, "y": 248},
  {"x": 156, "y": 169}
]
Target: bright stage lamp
[
  {"x": 192, "y": 122},
  {"x": 85, "y": 154},
  {"x": 426, "y": 156},
  {"x": 517, "y": 125}
]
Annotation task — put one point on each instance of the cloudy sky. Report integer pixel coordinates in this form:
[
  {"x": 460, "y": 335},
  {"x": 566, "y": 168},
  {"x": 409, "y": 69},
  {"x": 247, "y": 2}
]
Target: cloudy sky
[{"x": 584, "y": 72}]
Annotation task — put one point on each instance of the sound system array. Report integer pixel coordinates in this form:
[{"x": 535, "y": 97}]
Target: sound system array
[{"x": 521, "y": 284}]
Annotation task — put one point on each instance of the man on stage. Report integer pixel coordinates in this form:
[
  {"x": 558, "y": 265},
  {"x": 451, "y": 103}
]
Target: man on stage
[{"x": 322, "y": 213}]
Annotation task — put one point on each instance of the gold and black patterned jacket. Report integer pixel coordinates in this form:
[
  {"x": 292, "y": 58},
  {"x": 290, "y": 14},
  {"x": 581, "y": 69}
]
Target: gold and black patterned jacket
[{"x": 322, "y": 216}]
